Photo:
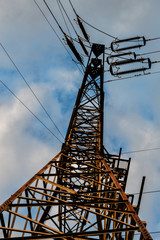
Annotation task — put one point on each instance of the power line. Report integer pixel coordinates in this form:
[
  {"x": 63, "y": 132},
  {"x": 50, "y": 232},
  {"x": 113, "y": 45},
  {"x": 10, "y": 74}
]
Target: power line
[
  {"x": 72, "y": 24},
  {"x": 76, "y": 40},
  {"x": 68, "y": 17},
  {"x": 30, "y": 89},
  {"x": 151, "y": 39},
  {"x": 109, "y": 35},
  {"x": 148, "y": 53},
  {"x": 52, "y": 27},
  {"x": 76, "y": 16},
  {"x": 79, "y": 37},
  {"x": 73, "y": 8},
  {"x": 58, "y": 3},
  {"x": 142, "y": 150},
  {"x": 57, "y": 35},
  {"x": 156, "y": 191},
  {"x": 155, "y": 232},
  {"x": 69, "y": 42},
  {"x": 54, "y": 17},
  {"x": 89, "y": 23},
  {"x": 139, "y": 75},
  {"x": 29, "y": 110}
]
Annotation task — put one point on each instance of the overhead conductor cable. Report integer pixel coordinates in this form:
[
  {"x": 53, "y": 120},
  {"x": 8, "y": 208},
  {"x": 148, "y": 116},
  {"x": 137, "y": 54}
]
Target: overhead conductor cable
[
  {"x": 59, "y": 3},
  {"x": 139, "y": 75},
  {"x": 30, "y": 89},
  {"x": 88, "y": 23},
  {"x": 80, "y": 23},
  {"x": 69, "y": 42},
  {"x": 29, "y": 109},
  {"x": 56, "y": 33},
  {"x": 79, "y": 38}
]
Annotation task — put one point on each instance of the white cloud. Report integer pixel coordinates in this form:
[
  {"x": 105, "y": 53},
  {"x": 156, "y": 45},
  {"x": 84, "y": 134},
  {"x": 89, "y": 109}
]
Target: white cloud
[
  {"x": 64, "y": 80},
  {"x": 20, "y": 155}
]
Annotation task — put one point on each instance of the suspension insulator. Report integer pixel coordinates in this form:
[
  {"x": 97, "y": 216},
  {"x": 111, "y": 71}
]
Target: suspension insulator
[
  {"x": 82, "y": 46},
  {"x": 118, "y": 57},
  {"x": 73, "y": 49},
  {"x": 118, "y": 67},
  {"x": 82, "y": 28},
  {"x": 135, "y": 42}
]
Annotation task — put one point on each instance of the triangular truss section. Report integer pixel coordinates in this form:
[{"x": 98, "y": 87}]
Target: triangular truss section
[{"x": 79, "y": 194}]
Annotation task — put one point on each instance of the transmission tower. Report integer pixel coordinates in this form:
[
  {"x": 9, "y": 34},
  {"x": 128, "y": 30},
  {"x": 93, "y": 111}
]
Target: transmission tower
[{"x": 80, "y": 193}]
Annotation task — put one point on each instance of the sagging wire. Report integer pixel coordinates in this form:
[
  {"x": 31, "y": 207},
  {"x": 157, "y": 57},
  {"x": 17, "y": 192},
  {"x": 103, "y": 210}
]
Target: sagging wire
[
  {"x": 54, "y": 17},
  {"x": 80, "y": 24},
  {"x": 68, "y": 17},
  {"x": 69, "y": 42},
  {"x": 24, "y": 79},
  {"x": 138, "y": 75},
  {"x": 109, "y": 35},
  {"x": 142, "y": 150},
  {"x": 29, "y": 109},
  {"x": 79, "y": 38},
  {"x": 155, "y": 191},
  {"x": 57, "y": 35},
  {"x": 58, "y": 3},
  {"x": 89, "y": 23},
  {"x": 148, "y": 53},
  {"x": 152, "y": 39}
]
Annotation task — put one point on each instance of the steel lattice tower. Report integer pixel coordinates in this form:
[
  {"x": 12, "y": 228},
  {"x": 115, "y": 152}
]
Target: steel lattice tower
[{"x": 80, "y": 193}]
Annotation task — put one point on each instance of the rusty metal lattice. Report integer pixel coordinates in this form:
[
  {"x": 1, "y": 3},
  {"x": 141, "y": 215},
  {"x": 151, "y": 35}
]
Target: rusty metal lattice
[{"x": 79, "y": 194}]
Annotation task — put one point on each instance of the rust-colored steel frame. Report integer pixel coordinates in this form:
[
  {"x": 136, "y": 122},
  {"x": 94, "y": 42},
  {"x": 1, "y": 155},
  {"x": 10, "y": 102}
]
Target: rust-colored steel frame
[{"x": 79, "y": 194}]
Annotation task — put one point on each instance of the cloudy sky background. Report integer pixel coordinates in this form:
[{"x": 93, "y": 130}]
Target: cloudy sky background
[{"x": 132, "y": 107}]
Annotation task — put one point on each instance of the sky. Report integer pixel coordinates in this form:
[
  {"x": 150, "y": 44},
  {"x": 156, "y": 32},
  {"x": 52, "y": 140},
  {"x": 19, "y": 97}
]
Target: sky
[{"x": 132, "y": 112}]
